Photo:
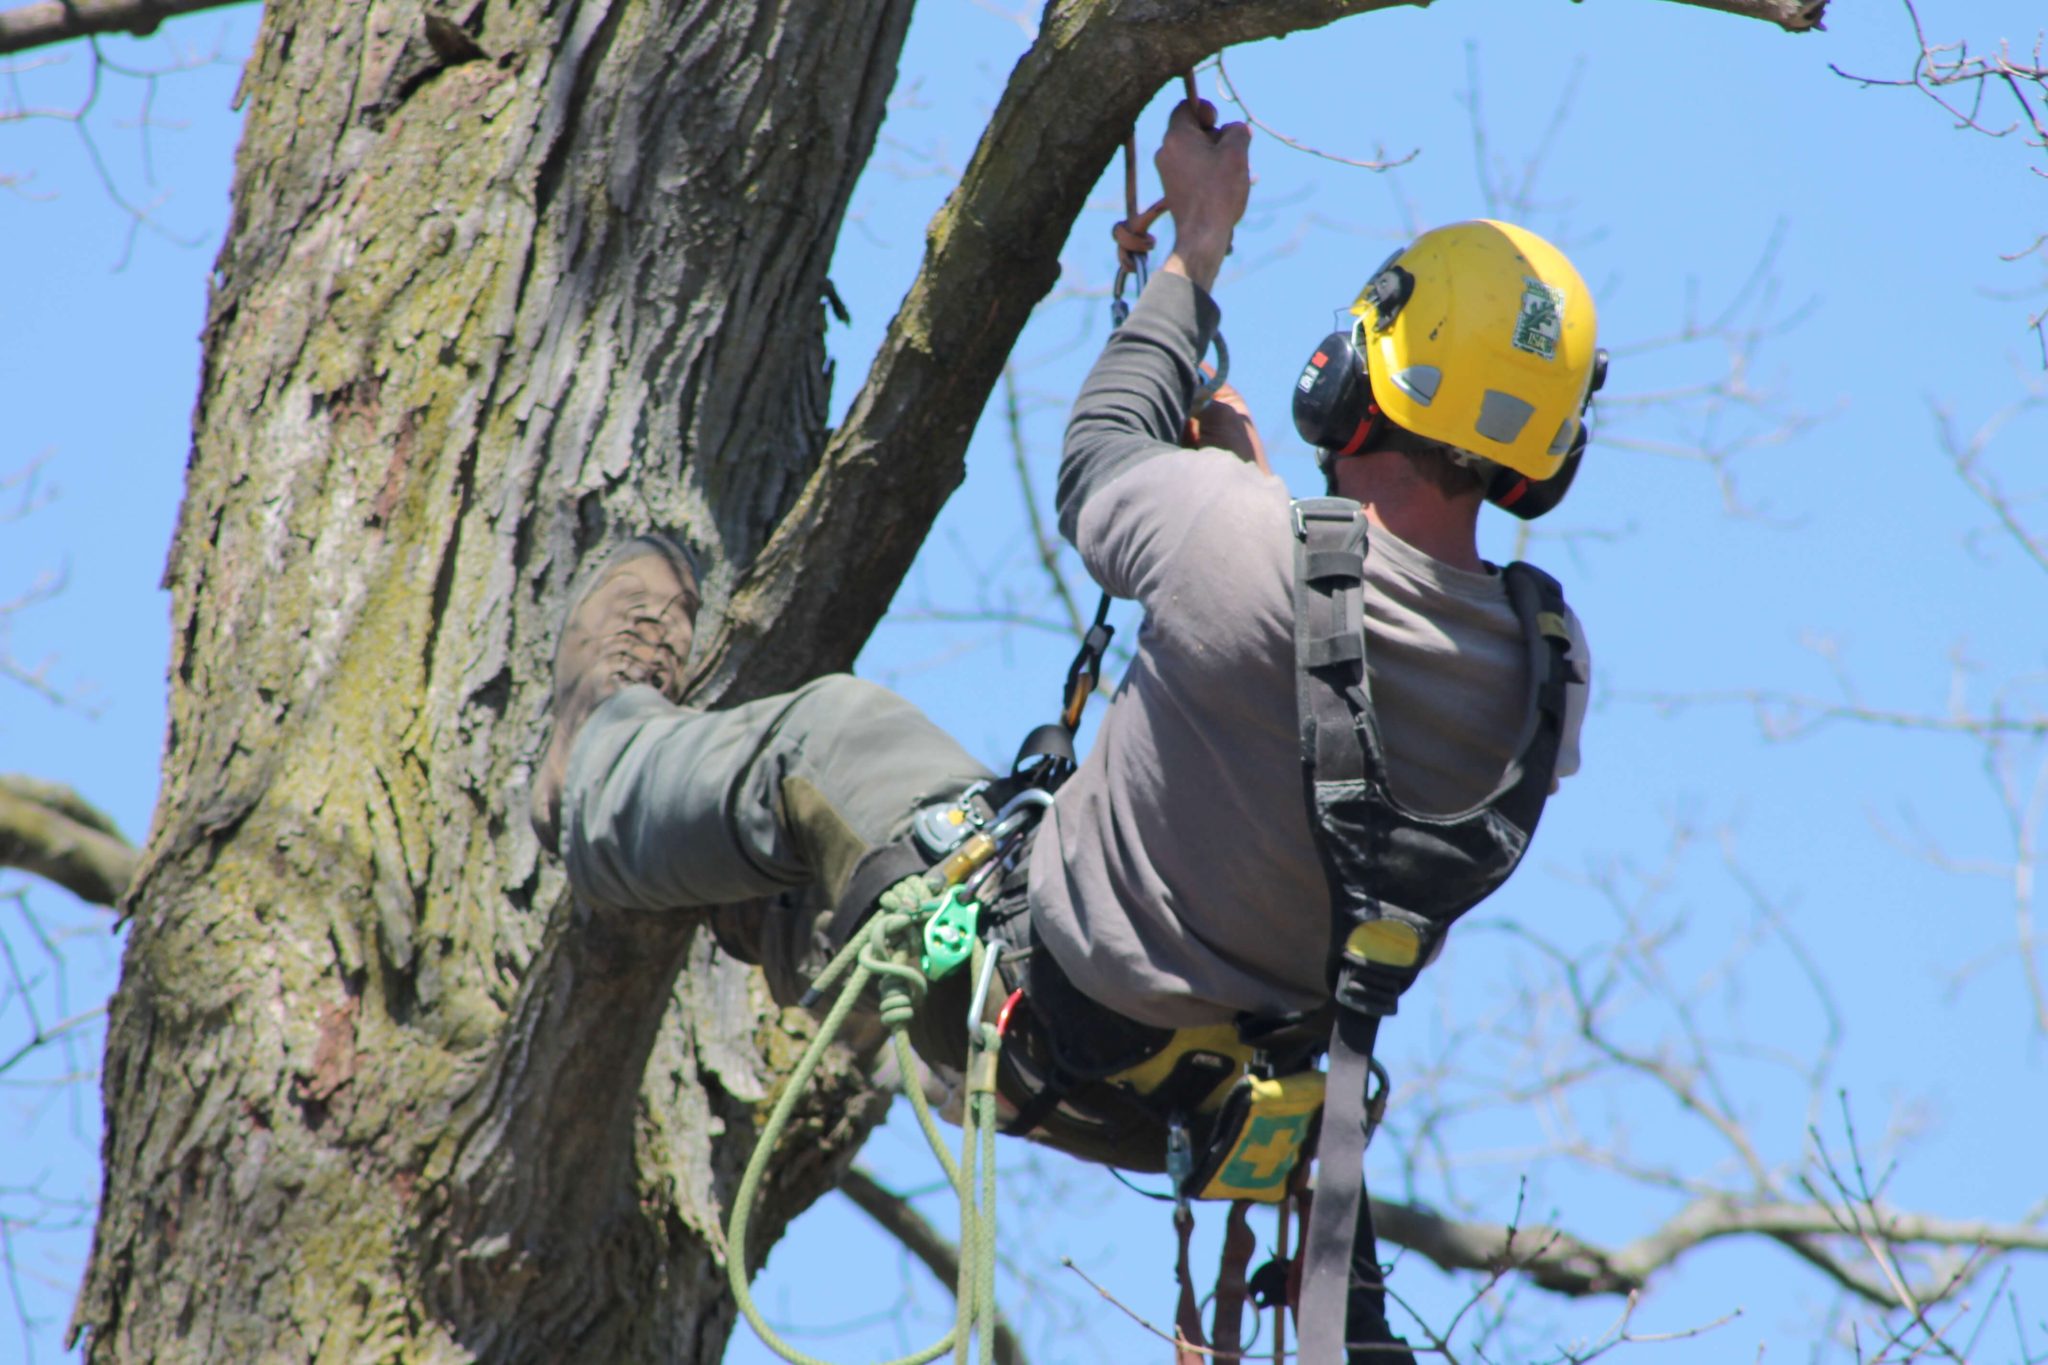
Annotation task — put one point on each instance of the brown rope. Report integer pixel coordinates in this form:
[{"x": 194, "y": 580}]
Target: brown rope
[
  {"x": 1190, "y": 1344},
  {"x": 1133, "y": 235},
  {"x": 1227, "y": 1317}
]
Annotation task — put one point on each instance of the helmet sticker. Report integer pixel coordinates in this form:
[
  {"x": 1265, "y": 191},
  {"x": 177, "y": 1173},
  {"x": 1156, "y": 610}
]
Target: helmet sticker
[{"x": 1540, "y": 325}]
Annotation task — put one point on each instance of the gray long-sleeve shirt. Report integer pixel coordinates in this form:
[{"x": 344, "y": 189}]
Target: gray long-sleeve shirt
[{"x": 1176, "y": 878}]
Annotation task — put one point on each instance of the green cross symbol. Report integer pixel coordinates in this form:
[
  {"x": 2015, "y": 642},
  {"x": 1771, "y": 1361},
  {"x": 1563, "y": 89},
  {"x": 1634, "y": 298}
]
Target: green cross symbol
[{"x": 1267, "y": 1152}]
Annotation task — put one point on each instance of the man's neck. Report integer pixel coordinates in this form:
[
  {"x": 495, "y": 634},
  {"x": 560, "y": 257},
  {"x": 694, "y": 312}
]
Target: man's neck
[{"x": 1396, "y": 498}]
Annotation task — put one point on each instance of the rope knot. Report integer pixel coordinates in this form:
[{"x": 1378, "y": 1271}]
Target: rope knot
[
  {"x": 897, "y": 1009},
  {"x": 1132, "y": 241},
  {"x": 1134, "y": 235}
]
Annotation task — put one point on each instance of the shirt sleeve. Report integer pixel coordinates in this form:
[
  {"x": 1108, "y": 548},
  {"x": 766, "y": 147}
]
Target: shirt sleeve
[
  {"x": 1170, "y": 533},
  {"x": 1136, "y": 399}
]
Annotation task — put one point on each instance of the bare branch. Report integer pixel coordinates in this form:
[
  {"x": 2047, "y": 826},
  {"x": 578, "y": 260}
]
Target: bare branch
[
  {"x": 1794, "y": 715},
  {"x": 1966, "y": 454},
  {"x": 1794, "y": 16},
  {"x": 925, "y": 1242},
  {"x": 1380, "y": 162},
  {"x": 1960, "y": 83},
  {"x": 58, "y": 21},
  {"x": 35, "y": 677},
  {"x": 78, "y": 113},
  {"x": 1564, "y": 1264},
  {"x": 1043, "y": 541},
  {"x": 1551, "y": 1259},
  {"x": 51, "y": 831}
]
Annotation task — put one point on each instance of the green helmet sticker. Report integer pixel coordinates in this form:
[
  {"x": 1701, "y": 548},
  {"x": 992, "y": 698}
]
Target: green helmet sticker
[{"x": 1540, "y": 325}]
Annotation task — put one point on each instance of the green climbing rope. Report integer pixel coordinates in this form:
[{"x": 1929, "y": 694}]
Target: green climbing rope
[{"x": 888, "y": 951}]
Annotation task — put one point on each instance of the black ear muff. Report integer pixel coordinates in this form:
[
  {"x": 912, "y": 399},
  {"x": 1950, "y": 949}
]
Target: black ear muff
[
  {"x": 1530, "y": 498},
  {"x": 1333, "y": 407}
]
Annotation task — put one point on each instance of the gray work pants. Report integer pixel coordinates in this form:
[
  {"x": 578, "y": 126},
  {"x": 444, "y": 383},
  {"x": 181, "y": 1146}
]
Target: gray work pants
[{"x": 668, "y": 808}]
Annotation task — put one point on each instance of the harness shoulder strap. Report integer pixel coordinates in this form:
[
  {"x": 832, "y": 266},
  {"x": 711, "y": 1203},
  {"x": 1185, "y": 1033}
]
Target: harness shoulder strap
[
  {"x": 1341, "y": 1294},
  {"x": 1329, "y": 638},
  {"x": 1436, "y": 867}
]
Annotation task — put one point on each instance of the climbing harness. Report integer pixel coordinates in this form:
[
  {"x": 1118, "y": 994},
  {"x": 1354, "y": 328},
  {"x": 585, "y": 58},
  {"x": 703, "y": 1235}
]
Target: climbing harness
[{"x": 1398, "y": 879}]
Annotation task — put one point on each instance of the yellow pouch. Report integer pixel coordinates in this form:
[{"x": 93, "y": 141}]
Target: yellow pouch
[{"x": 1257, "y": 1139}]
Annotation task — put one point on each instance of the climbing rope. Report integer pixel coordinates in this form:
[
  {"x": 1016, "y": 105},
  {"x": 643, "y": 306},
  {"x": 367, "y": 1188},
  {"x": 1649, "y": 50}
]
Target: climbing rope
[
  {"x": 915, "y": 937},
  {"x": 894, "y": 950},
  {"x": 1134, "y": 244}
]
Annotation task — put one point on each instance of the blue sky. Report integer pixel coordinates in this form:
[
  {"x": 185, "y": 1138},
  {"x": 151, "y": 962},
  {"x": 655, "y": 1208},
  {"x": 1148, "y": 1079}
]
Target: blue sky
[{"x": 1702, "y": 160}]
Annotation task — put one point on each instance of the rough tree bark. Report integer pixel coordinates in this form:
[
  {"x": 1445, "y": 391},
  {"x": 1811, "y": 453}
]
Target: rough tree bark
[{"x": 503, "y": 285}]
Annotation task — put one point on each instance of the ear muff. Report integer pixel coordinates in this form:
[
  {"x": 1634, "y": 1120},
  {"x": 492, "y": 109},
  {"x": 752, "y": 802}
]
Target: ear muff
[
  {"x": 1513, "y": 491},
  {"x": 1530, "y": 498},
  {"x": 1333, "y": 407},
  {"x": 1335, "y": 413}
]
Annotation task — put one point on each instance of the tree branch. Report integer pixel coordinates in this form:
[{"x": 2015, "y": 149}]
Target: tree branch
[
  {"x": 828, "y": 573},
  {"x": 53, "y": 832},
  {"x": 57, "y": 21},
  {"x": 1563, "y": 1264},
  {"x": 1551, "y": 1259},
  {"x": 1794, "y": 16},
  {"x": 925, "y": 1242}
]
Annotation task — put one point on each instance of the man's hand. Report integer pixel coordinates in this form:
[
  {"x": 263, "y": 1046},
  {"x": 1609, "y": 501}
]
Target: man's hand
[
  {"x": 1227, "y": 423},
  {"x": 1206, "y": 172}
]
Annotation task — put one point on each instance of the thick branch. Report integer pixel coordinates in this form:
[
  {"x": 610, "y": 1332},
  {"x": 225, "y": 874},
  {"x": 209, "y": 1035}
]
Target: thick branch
[
  {"x": 827, "y": 575},
  {"x": 1794, "y": 16},
  {"x": 1553, "y": 1260},
  {"x": 51, "y": 831},
  {"x": 925, "y": 1242},
  {"x": 1563, "y": 1264},
  {"x": 57, "y": 21}
]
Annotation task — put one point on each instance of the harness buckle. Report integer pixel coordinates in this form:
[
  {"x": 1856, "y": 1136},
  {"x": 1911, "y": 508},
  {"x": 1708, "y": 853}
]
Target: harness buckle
[
  {"x": 1306, "y": 510},
  {"x": 1373, "y": 991},
  {"x": 942, "y": 826},
  {"x": 1376, "y": 1098}
]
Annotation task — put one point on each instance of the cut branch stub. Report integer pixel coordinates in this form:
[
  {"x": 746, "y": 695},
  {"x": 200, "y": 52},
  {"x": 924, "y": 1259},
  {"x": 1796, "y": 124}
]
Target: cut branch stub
[{"x": 51, "y": 831}]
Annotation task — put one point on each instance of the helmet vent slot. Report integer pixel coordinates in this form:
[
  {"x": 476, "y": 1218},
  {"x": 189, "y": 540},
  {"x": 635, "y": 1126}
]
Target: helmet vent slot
[
  {"x": 1420, "y": 382},
  {"x": 1502, "y": 416}
]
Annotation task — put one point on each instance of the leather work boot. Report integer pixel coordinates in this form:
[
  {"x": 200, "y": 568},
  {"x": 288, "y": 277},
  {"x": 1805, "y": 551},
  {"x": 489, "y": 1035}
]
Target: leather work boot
[{"x": 630, "y": 623}]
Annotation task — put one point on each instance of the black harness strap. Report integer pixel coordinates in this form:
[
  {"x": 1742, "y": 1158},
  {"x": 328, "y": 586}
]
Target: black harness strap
[
  {"x": 1398, "y": 879},
  {"x": 1341, "y": 1294},
  {"x": 1329, "y": 640},
  {"x": 874, "y": 874}
]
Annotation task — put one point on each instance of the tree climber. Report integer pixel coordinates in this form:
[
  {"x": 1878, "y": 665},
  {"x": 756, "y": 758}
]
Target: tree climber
[{"x": 1183, "y": 916}]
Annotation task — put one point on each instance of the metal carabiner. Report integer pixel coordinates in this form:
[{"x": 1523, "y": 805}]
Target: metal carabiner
[
  {"x": 1119, "y": 307},
  {"x": 1215, "y": 381}
]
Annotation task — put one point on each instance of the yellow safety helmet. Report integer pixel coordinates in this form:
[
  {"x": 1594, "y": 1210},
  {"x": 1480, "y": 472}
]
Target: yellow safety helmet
[{"x": 1481, "y": 335}]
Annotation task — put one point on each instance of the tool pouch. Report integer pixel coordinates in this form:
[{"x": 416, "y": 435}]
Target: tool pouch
[{"x": 1257, "y": 1138}]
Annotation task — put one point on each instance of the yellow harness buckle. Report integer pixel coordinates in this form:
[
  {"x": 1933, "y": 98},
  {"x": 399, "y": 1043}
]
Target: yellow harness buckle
[{"x": 1258, "y": 1138}]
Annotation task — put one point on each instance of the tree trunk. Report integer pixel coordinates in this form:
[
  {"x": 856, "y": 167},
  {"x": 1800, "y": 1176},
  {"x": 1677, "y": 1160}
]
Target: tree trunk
[
  {"x": 504, "y": 285},
  {"x": 492, "y": 296}
]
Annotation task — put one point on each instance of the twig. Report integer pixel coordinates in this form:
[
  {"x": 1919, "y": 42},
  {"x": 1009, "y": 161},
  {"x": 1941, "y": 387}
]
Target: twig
[{"x": 1230, "y": 92}]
